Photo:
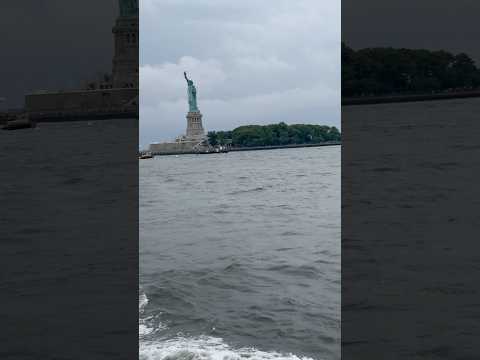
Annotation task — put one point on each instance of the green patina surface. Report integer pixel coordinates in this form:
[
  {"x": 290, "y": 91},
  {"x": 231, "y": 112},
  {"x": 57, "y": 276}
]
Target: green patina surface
[
  {"x": 128, "y": 7},
  {"x": 192, "y": 95}
]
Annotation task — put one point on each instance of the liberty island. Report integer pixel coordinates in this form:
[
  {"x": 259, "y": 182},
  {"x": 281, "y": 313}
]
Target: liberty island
[{"x": 249, "y": 137}]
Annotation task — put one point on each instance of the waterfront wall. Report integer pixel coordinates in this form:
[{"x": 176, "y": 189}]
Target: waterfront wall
[
  {"x": 82, "y": 104},
  {"x": 289, "y": 146},
  {"x": 184, "y": 147},
  {"x": 370, "y": 100},
  {"x": 188, "y": 147}
]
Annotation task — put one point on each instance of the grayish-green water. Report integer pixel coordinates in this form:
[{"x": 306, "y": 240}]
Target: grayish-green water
[{"x": 240, "y": 255}]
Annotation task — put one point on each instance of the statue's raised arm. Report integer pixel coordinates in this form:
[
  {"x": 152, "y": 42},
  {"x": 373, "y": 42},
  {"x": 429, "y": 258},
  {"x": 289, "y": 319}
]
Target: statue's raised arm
[{"x": 185, "y": 74}]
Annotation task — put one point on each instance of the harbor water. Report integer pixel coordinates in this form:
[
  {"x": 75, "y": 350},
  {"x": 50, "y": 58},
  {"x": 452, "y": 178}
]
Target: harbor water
[{"x": 240, "y": 255}]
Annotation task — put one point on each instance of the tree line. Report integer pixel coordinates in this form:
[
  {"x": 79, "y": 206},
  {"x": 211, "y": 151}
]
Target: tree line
[
  {"x": 383, "y": 71},
  {"x": 275, "y": 134}
]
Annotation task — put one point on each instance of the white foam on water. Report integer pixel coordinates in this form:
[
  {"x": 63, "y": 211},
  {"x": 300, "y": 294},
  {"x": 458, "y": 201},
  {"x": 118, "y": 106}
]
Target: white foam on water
[
  {"x": 205, "y": 348},
  {"x": 144, "y": 330},
  {"x": 142, "y": 302},
  {"x": 145, "y": 324},
  {"x": 199, "y": 348}
]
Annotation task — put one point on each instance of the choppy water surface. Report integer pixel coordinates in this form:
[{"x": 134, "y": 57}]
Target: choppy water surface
[
  {"x": 240, "y": 255},
  {"x": 410, "y": 230},
  {"x": 68, "y": 240}
]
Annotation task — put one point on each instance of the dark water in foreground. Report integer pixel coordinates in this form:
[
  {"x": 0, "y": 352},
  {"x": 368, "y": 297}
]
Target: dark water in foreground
[
  {"x": 240, "y": 255},
  {"x": 69, "y": 240},
  {"x": 410, "y": 216}
]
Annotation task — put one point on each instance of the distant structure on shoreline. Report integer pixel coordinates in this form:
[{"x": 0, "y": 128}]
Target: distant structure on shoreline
[
  {"x": 195, "y": 130},
  {"x": 115, "y": 96},
  {"x": 194, "y": 139}
]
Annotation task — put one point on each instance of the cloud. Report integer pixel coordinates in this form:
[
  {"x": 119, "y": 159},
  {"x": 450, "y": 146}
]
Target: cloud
[{"x": 252, "y": 62}]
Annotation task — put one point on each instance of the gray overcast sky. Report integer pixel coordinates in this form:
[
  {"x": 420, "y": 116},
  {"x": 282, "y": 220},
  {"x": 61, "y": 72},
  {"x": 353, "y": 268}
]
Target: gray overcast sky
[
  {"x": 53, "y": 44},
  {"x": 431, "y": 24},
  {"x": 253, "y": 62}
]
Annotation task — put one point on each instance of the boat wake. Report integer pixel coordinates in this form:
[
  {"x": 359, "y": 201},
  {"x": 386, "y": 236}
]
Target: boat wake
[
  {"x": 205, "y": 348},
  {"x": 195, "y": 348}
]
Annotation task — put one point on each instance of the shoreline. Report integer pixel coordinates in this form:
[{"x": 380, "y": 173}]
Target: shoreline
[
  {"x": 6, "y": 117},
  {"x": 84, "y": 116},
  {"x": 253, "y": 148},
  {"x": 371, "y": 100},
  {"x": 274, "y": 147}
]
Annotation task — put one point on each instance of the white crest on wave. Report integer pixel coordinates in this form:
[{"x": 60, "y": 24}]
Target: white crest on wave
[
  {"x": 205, "y": 348},
  {"x": 142, "y": 301}
]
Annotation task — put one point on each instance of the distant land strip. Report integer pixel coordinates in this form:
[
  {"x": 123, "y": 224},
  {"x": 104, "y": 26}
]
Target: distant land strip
[
  {"x": 71, "y": 116},
  {"x": 273, "y": 147},
  {"x": 85, "y": 115},
  {"x": 370, "y": 100},
  {"x": 245, "y": 148}
]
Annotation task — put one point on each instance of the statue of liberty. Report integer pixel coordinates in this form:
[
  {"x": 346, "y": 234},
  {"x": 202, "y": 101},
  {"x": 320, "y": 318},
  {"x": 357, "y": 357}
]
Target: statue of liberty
[{"x": 192, "y": 95}]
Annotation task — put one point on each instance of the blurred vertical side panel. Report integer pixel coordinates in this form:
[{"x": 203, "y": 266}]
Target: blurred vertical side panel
[
  {"x": 410, "y": 169},
  {"x": 69, "y": 179}
]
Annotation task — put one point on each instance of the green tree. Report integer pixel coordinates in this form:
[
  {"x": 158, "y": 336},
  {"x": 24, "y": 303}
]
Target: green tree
[
  {"x": 382, "y": 71},
  {"x": 278, "y": 134},
  {"x": 212, "y": 138}
]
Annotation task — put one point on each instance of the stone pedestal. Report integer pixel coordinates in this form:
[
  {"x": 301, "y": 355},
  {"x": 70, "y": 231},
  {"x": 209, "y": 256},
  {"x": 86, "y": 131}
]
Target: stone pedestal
[
  {"x": 194, "y": 126},
  {"x": 125, "y": 60}
]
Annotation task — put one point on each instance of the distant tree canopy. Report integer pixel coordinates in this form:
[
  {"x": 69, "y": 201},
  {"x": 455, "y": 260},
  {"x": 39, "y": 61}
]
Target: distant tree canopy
[
  {"x": 382, "y": 71},
  {"x": 275, "y": 134}
]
